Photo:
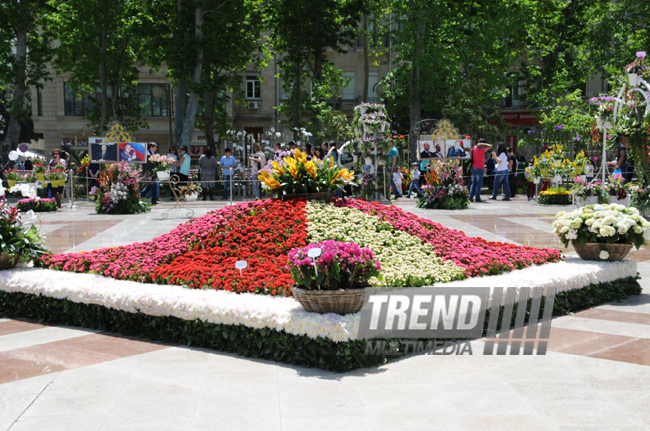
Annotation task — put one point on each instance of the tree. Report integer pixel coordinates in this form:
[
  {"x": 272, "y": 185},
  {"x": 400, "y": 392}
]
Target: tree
[
  {"x": 205, "y": 45},
  {"x": 301, "y": 32},
  {"x": 25, "y": 50}
]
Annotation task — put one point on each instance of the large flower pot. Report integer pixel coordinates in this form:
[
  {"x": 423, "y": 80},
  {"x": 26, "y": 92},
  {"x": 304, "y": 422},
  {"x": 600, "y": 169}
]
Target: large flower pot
[
  {"x": 192, "y": 197},
  {"x": 8, "y": 261},
  {"x": 11, "y": 183},
  {"x": 545, "y": 172},
  {"x": 592, "y": 200},
  {"x": 162, "y": 175},
  {"x": 591, "y": 251},
  {"x": 579, "y": 169},
  {"x": 331, "y": 301},
  {"x": 40, "y": 176},
  {"x": 615, "y": 200}
]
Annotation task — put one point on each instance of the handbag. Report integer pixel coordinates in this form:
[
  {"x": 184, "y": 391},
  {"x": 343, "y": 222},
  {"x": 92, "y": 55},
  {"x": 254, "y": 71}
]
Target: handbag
[{"x": 618, "y": 172}]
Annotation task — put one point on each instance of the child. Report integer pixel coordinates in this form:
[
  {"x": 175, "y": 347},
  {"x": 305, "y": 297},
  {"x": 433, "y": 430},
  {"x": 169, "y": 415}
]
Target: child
[
  {"x": 415, "y": 181},
  {"x": 397, "y": 179},
  {"x": 589, "y": 170},
  {"x": 531, "y": 187}
]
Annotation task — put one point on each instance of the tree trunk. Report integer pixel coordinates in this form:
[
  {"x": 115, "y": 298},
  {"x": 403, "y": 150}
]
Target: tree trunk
[
  {"x": 210, "y": 108},
  {"x": 179, "y": 111},
  {"x": 103, "y": 79},
  {"x": 18, "y": 102},
  {"x": 366, "y": 62},
  {"x": 193, "y": 100},
  {"x": 414, "y": 88},
  {"x": 296, "y": 102}
]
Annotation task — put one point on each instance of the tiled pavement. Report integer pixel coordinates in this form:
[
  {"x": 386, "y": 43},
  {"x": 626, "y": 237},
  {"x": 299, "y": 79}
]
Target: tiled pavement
[{"x": 594, "y": 377}]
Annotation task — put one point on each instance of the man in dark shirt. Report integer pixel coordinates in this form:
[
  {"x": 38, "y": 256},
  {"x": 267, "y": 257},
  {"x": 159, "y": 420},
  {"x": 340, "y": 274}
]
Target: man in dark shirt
[
  {"x": 426, "y": 154},
  {"x": 28, "y": 164},
  {"x": 512, "y": 167}
]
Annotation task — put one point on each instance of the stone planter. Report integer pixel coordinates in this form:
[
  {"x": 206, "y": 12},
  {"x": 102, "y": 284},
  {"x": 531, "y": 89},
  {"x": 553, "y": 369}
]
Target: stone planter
[{"x": 331, "y": 301}]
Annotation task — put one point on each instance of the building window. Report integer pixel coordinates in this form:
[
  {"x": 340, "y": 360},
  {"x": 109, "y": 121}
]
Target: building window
[
  {"x": 349, "y": 92},
  {"x": 253, "y": 87},
  {"x": 80, "y": 104},
  {"x": 39, "y": 101},
  {"x": 152, "y": 99}
]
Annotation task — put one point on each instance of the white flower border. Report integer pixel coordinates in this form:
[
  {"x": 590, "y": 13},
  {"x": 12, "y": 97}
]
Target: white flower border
[{"x": 281, "y": 314}]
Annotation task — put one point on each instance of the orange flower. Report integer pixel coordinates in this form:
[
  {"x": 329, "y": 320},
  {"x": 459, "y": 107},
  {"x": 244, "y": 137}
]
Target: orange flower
[{"x": 311, "y": 168}]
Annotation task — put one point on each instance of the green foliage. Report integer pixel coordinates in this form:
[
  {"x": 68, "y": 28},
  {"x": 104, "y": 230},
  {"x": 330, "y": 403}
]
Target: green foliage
[
  {"x": 41, "y": 205},
  {"x": 16, "y": 239}
]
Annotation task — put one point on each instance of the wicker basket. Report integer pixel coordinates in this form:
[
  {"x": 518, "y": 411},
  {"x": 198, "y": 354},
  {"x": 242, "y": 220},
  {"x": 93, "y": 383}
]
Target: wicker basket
[
  {"x": 591, "y": 251},
  {"x": 321, "y": 196},
  {"x": 7, "y": 261},
  {"x": 331, "y": 301}
]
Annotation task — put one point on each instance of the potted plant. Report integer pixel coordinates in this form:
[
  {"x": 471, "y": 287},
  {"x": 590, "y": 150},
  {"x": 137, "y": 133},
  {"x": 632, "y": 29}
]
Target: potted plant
[
  {"x": 336, "y": 281},
  {"x": 190, "y": 191},
  {"x": 12, "y": 176},
  {"x": 294, "y": 177},
  {"x": 19, "y": 243},
  {"x": 640, "y": 199},
  {"x": 601, "y": 232},
  {"x": 162, "y": 166},
  {"x": 586, "y": 193},
  {"x": 636, "y": 69},
  {"x": 39, "y": 168},
  {"x": 579, "y": 162},
  {"x": 604, "y": 111},
  {"x": 618, "y": 191}
]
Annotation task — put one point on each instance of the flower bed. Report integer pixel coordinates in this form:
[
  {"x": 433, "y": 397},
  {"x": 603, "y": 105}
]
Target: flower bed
[
  {"x": 557, "y": 196},
  {"x": 476, "y": 255},
  {"x": 37, "y": 205}
]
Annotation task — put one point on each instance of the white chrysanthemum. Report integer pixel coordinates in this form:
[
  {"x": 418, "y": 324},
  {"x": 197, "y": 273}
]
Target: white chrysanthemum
[
  {"x": 603, "y": 255},
  {"x": 572, "y": 234}
]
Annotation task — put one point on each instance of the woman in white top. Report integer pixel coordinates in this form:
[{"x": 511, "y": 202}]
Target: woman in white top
[
  {"x": 501, "y": 162},
  {"x": 258, "y": 161}
]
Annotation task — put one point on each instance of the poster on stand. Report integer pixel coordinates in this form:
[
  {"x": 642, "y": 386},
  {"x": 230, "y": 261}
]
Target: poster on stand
[
  {"x": 444, "y": 149},
  {"x": 133, "y": 152},
  {"x": 102, "y": 152}
]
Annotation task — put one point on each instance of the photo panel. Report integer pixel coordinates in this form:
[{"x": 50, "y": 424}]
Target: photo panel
[
  {"x": 103, "y": 152},
  {"x": 425, "y": 150},
  {"x": 133, "y": 152}
]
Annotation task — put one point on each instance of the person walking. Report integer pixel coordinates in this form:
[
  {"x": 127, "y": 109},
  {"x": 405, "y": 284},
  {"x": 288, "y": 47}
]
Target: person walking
[
  {"x": 392, "y": 162},
  {"x": 258, "y": 161},
  {"x": 397, "y": 181},
  {"x": 153, "y": 188},
  {"x": 477, "y": 169},
  {"x": 208, "y": 167},
  {"x": 415, "y": 181},
  {"x": 513, "y": 164},
  {"x": 621, "y": 160},
  {"x": 227, "y": 163},
  {"x": 501, "y": 162}
]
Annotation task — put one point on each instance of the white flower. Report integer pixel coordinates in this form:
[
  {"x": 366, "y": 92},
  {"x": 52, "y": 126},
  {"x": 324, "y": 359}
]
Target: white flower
[
  {"x": 564, "y": 229},
  {"x": 572, "y": 234},
  {"x": 603, "y": 255}
]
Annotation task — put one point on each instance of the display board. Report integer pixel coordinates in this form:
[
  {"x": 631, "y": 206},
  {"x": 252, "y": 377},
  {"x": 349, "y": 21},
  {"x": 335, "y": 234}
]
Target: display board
[
  {"x": 444, "y": 143},
  {"x": 112, "y": 152}
]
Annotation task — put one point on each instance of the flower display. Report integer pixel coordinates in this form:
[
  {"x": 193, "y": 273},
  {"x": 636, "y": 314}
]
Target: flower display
[
  {"x": 162, "y": 162},
  {"x": 37, "y": 204},
  {"x": 201, "y": 253},
  {"x": 610, "y": 224},
  {"x": 18, "y": 240},
  {"x": 404, "y": 259},
  {"x": 604, "y": 107},
  {"x": 118, "y": 191},
  {"x": 555, "y": 196},
  {"x": 341, "y": 265},
  {"x": 476, "y": 255},
  {"x": 299, "y": 175},
  {"x": 446, "y": 188}
]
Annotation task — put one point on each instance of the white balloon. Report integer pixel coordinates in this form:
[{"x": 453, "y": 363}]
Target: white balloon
[{"x": 13, "y": 155}]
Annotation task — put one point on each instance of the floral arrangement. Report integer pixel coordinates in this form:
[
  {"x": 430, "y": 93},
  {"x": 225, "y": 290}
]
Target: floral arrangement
[
  {"x": 371, "y": 123},
  {"x": 604, "y": 107},
  {"x": 604, "y": 224},
  {"x": 162, "y": 162},
  {"x": 555, "y": 196},
  {"x": 638, "y": 66},
  {"x": 585, "y": 189},
  {"x": 30, "y": 178},
  {"x": 24, "y": 244},
  {"x": 297, "y": 175},
  {"x": 616, "y": 186},
  {"x": 39, "y": 165},
  {"x": 36, "y": 205},
  {"x": 11, "y": 174},
  {"x": 367, "y": 186},
  {"x": 118, "y": 191},
  {"x": 640, "y": 197},
  {"x": 190, "y": 189},
  {"x": 341, "y": 265},
  {"x": 446, "y": 188}
]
